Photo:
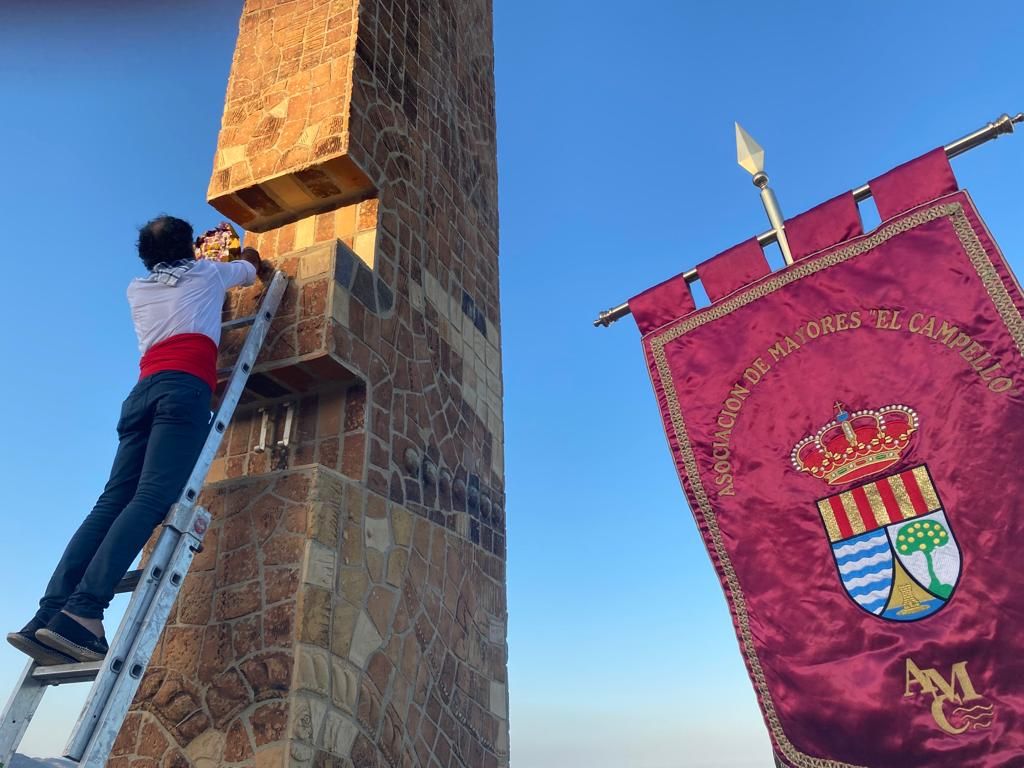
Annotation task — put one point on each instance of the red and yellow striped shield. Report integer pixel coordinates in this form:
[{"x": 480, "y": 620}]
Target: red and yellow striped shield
[{"x": 893, "y": 545}]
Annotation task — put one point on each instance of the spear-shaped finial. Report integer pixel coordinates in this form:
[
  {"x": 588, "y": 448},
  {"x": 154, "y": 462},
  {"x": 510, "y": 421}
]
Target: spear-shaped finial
[{"x": 750, "y": 156}]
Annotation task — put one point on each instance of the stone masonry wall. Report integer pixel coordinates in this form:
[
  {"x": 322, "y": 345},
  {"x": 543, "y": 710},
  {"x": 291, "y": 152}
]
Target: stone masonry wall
[
  {"x": 284, "y": 135},
  {"x": 348, "y": 609}
]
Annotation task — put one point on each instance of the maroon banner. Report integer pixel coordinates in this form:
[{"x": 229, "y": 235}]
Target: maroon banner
[{"x": 848, "y": 432}]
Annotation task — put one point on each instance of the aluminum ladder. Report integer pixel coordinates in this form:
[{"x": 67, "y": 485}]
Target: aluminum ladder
[{"x": 154, "y": 590}]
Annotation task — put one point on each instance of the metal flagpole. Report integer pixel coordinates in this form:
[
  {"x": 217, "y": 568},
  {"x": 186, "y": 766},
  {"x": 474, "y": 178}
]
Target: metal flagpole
[{"x": 751, "y": 156}]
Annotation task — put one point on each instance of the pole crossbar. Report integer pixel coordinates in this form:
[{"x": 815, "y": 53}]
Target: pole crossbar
[{"x": 1002, "y": 125}]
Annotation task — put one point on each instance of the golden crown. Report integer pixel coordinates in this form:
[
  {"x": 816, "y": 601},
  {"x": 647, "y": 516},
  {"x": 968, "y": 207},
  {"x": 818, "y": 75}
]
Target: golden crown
[{"x": 855, "y": 445}]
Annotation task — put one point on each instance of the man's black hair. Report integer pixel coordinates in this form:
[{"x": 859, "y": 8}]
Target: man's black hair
[{"x": 166, "y": 239}]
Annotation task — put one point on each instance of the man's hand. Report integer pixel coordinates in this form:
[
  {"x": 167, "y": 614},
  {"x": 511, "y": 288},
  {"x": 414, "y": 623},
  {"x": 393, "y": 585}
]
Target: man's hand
[{"x": 263, "y": 270}]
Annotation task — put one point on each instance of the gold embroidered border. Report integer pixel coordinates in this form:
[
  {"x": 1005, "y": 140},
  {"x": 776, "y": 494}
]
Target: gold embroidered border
[{"x": 1009, "y": 313}]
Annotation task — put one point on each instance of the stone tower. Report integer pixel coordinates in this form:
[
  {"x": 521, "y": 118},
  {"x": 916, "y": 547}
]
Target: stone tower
[{"x": 349, "y": 606}]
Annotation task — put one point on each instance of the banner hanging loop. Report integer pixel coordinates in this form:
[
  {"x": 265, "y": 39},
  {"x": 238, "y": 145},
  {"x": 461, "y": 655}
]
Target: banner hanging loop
[{"x": 1004, "y": 124}]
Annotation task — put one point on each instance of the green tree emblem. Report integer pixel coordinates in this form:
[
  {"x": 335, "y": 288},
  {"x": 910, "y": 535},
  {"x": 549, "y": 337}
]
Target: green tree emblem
[{"x": 925, "y": 537}]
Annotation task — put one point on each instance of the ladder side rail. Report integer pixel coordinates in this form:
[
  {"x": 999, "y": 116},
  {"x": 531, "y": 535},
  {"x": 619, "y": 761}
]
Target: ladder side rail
[
  {"x": 126, "y": 685},
  {"x": 19, "y": 711},
  {"x": 236, "y": 384},
  {"x": 120, "y": 646}
]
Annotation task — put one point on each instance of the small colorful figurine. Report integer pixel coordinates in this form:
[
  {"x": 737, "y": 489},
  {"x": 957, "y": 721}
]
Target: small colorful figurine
[{"x": 221, "y": 243}]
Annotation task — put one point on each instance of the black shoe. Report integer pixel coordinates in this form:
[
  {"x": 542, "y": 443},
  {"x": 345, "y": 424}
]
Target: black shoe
[
  {"x": 67, "y": 636},
  {"x": 25, "y": 641}
]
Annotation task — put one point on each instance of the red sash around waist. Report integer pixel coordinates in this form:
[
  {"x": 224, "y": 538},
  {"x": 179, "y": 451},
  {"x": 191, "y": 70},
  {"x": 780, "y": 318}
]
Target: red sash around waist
[{"x": 194, "y": 353}]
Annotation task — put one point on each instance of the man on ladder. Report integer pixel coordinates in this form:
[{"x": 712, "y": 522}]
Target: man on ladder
[{"x": 164, "y": 422}]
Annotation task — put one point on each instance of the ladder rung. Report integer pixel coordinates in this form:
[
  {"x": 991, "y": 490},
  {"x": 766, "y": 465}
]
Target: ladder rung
[
  {"x": 239, "y": 322},
  {"x": 67, "y": 673},
  {"x": 128, "y": 583}
]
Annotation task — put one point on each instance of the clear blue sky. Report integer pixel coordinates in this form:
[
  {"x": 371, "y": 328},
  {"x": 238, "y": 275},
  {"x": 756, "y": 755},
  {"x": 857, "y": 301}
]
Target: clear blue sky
[{"x": 617, "y": 170}]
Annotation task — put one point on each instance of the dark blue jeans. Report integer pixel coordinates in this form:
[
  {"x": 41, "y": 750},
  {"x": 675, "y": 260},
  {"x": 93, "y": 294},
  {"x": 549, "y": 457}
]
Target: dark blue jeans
[{"x": 163, "y": 425}]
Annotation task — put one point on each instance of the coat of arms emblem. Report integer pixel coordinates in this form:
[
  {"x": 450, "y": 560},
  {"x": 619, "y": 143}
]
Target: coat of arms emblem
[{"x": 892, "y": 543}]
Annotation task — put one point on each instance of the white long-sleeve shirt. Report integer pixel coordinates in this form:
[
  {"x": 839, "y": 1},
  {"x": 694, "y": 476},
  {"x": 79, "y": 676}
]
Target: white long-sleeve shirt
[{"x": 160, "y": 311}]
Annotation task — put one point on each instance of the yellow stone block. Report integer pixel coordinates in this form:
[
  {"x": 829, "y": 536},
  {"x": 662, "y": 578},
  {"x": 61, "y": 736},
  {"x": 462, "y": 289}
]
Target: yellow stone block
[
  {"x": 401, "y": 526},
  {"x": 345, "y": 221},
  {"x": 305, "y": 232},
  {"x": 287, "y": 191},
  {"x": 206, "y": 751},
  {"x": 318, "y": 261},
  {"x": 343, "y": 624},
  {"x": 397, "y": 561},
  {"x": 271, "y": 757},
  {"x": 231, "y": 155},
  {"x": 365, "y": 246}
]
